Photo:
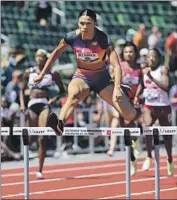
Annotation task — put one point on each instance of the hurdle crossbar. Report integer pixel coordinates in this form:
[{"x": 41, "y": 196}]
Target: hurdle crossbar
[
  {"x": 87, "y": 131},
  {"x": 71, "y": 131}
]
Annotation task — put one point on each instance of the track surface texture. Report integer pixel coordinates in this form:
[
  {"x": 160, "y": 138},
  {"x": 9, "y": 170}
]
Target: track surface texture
[{"x": 99, "y": 177}]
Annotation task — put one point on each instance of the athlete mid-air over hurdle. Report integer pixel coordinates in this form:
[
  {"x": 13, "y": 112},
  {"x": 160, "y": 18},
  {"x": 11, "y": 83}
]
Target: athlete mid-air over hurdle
[{"x": 91, "y": 46}]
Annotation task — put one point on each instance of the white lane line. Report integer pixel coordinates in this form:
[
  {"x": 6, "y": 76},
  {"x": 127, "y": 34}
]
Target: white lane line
[
  {"x": 84, "y": 187},
  {"x": 100, "y": 162},
  {"x": 137, "y": 194},
  {"x": 68, "y": 169},
  {"x": 77, "y": 168},
  {"x": 74, "y": 177},
  {"x": 119, "y": 160}
]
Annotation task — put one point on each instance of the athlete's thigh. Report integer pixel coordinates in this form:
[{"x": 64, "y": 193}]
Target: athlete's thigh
[
  {"x": 78, "y": 89},
  {"x": 32, "y": 119},
  {"x": 42, "y": 121},
  {"x": 148, "y": 117},
  {"x": 124, "y": 106},
  {"x": 165, "y": 116}
]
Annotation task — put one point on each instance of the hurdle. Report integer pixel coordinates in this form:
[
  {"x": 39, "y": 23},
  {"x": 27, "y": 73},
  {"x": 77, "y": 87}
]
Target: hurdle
[
  {"x": 87, "y": 131},
  {"x": 127, "y": 140},
  {"x": 156, "y": 132},
  {"x": 157, "y": 166},
  {"x": 26, "y": 162}
]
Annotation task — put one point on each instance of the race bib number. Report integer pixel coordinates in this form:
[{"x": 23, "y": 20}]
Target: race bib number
[
  {"x": 130, "y": 80},
  {"x": 88, "y": 57},
  {"x": 150, "y": 94},
  {"x": 86, "y": 54}
]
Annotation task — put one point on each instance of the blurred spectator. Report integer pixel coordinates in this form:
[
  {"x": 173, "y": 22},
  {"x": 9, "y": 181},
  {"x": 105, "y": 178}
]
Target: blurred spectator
[
  {"x": 130, "y": 34},
  {"x": 171, "y": 50},
  {"x": 143, "y": 64},
  {"x": 8, "y": 113},
  {"x": 88, "y": 103},
  {"x": 154, "y": 38},
  {"x": 12, "y": 95},
  {"x": 80, "y": 120},
  {"x": 6, "y": 77},
  {"x": 140, "y": 37},
  {"x": 16, "y": 58},
  {"x": 173, "y": 100},
  {"x": 9, "y": 153},
  {"x": 143, "y": 53},
  {"x": 5, "y": 120},
  {"x": 142, "y": 56},
  {"x": 13, "y": 87},
  {"x": 43, "y": 13},
  {"x": 119, "y": 45}
]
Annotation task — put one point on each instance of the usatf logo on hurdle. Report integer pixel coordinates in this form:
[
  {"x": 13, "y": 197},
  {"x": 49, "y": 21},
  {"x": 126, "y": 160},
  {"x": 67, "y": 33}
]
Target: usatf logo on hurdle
[
  {"x": 163, "y": 130},
  {"x": 32, "y": 131}
]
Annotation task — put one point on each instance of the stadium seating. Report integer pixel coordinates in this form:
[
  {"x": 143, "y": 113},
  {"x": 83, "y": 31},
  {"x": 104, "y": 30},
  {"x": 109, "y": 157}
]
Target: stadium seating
[{"x": 117, "y": 17}]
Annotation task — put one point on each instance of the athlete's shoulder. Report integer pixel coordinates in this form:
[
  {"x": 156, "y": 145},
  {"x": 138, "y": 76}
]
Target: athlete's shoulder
[
  {"x": 71, "y": 36},
  {"x": 102, "y": 38},
  {"x": 164, "y": 69}
]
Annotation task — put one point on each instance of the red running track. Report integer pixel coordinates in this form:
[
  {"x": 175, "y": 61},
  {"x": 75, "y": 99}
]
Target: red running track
[{"x": 89, "y": 180}]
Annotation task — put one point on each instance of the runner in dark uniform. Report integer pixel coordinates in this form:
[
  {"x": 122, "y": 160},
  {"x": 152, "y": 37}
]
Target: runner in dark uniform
[{"x": 90, "y": 46}]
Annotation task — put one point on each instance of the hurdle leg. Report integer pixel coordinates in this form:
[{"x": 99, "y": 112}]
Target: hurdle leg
[
  {"x": 22, "y": 124},
  {"x": 157, "y": 167},
  {"x": 26, "y": 162},
  {"x": 127, "y": 140}
]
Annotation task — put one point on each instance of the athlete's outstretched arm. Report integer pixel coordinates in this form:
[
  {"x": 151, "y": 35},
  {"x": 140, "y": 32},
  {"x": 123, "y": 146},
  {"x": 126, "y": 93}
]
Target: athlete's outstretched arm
[
  {"x": 54, "y": 55},
  {"x": 164, "y": 84}
]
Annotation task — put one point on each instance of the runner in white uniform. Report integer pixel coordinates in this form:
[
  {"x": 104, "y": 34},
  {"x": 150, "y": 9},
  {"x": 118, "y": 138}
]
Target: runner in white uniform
[
  {"x": 157, "y": 104},
  {"x": 39, "y": 104}
]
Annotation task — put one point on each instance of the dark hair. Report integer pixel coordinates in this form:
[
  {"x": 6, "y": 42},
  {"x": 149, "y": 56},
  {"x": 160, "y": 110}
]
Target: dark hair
[
  {"x": 88, "y": 12},
  {"x": 129, "y": 44},
  {"x": 157, "y": 51}
]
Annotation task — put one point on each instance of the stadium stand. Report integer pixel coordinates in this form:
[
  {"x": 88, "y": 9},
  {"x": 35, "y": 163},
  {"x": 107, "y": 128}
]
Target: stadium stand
[{"x": 117, "y": 18}]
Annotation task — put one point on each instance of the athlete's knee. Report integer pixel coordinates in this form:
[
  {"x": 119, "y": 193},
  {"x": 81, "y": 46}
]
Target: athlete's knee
[
  {"x": 147, "y": 122},
  {"x": 73, "y": 97},
  {"x": 73, "y": 100}
]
